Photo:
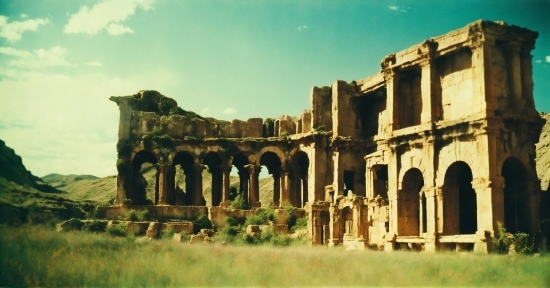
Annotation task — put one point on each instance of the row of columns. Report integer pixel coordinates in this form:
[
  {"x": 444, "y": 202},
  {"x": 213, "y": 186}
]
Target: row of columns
[{"x": 221, "y": 184}]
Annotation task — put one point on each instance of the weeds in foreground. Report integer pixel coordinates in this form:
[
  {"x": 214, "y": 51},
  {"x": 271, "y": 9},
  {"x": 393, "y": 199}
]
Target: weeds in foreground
[{"x": 36, "y": 256}]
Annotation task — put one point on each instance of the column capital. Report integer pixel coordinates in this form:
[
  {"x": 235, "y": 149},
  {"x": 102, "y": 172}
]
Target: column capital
[
  {"x": 253, "y": 168},
  {"x": 199, "y": 166},
  {"x": 225, "y": 168}
]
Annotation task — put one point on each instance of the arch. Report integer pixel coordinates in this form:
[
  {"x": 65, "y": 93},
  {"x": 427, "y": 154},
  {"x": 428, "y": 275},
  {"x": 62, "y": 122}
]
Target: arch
[
  {"x": 516, "y": 207},
  {"x": 213, "y": 161},
  {"x": 183, "y": 177},
  {"x": 273, "y": 164},
  {"x": 459, "y": 200},
  {"x": 299, "y": 185},
  {"x": 270, "y": 149},
  {"x": 140, "y": 186},
  {"x": 409, "y": 212}
]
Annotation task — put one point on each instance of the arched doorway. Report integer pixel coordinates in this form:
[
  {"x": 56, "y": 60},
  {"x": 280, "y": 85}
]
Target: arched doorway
[
  {"x": 273, "y": 164},
  {"x": 184, "y": 175},
  {"x": 409, "y": 212},
  {"x": 299, "y": 192},
  {"x": 144, "y": 179},
  {"x": 459, "y": 201},
  {"x": 213, "y": 161},
  {"x": 516, "y": 210}
]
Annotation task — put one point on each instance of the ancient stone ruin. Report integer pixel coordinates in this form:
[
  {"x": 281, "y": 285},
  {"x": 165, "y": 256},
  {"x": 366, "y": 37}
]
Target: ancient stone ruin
[{"x": 429, "y": 153}]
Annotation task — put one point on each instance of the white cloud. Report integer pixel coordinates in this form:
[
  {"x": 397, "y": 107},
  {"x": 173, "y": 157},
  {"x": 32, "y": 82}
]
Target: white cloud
[
  {"x": 205, "y": 110},
  {"x": 399, "y": 8},
  {"x": 548, "y": 59},
  {"x": 538, "y": 61},
  {"x": 229, "y": 110},
  {"x": 117, "y": 29},
  {"x": 93, "y": 63},
  {"x": 12, "y": 31},
  {"x": 54, "y": 56},
  {"x": 106, "y": 15},
  {"x": 71, "y": 116},
  {"x": 301, "y": 27},
  {"x": 24, "y": 16}
]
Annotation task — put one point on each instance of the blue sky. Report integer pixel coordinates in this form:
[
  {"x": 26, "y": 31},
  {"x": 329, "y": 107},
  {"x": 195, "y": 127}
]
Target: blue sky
[{"x": 60, "y": 61}]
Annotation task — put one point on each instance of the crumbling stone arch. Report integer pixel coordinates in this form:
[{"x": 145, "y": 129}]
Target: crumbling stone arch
[
  {"x": 187, "y": 162},
  {"x": 516, "y": 196},
  {"x": 138, "y": 192},
  {"x": 255, "y": 158},
  {"x": 459, "y": 200},
  {"x": 273, "y": 163},
  {"x": 240, "y": 161},
  {"x": 410, "y": 203},
  {"x": 459, "y": 151}
]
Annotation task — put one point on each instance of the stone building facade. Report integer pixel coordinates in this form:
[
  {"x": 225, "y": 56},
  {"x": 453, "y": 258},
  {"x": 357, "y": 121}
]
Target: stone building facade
[{"x": 430, "y": 153}]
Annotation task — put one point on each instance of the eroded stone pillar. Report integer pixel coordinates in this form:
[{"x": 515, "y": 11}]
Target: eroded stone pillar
[
  {"x": 226, "y": 174},
  {"x": 431, "y": 218},
  {"x": 197, "y": 184},
  {"x": 254, "y": 188},
  {"x": 285, "y": 193},
  {"x": 165, "y": 184},
  {"x": 276, "y": 188},
  {"x": 513, "y": 68}
]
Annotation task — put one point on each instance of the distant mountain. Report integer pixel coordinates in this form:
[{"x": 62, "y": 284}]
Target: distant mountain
[
  {"x": 12, "y": 169},
  {"x": 59, "y": 181}
]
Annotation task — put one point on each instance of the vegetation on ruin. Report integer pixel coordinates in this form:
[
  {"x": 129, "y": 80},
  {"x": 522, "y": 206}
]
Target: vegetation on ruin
[
  {"x": 505, "y": 242},
  {"x": 36, "y": 256}
]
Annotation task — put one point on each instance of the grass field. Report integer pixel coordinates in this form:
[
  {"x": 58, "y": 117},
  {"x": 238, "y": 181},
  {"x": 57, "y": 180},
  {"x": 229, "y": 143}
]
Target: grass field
[{"x": 37, "y": 256}]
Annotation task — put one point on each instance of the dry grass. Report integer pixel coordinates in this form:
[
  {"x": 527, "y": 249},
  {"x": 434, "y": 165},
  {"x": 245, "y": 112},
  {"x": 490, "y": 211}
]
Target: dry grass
[{"x": 35, "y": 256}]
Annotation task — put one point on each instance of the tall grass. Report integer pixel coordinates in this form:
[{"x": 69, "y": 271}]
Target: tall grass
[{"x": 35, "y": 256}]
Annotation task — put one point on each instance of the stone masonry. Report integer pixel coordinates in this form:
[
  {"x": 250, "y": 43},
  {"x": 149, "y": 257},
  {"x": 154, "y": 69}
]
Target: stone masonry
[{"x": 430, "y": 153}]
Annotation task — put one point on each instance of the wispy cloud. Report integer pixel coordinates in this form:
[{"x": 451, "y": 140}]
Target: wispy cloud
[
  {"x": 12, "y": 30},
  {"x": 54, "y": 56},
  {"x": 400, "y": 9},
  {"x": 205, "y": 110},
  {"x": 106, "y": 15},
  {"x": 538, "y": 61},
  {"x": 15, "y": 124},
  {"x": 229, "y": 110},
  {"x": 301, "y": 27},
  {"x": 93, "y": 63},
  {"x": 548, "y": 59},
  {"x": 24, "y": 16}
]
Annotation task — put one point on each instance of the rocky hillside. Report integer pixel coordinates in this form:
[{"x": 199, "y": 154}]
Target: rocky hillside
[
  {"x": 13, "y": 170},
  {"x": 26, "y": 198},
  {"x": 59, "y": 181},
  {"x": 543, "y": 154}
]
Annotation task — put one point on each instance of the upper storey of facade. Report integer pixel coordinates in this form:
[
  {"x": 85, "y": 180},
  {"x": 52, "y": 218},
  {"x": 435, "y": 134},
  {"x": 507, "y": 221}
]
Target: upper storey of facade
[{"x": 480, "y": 71}]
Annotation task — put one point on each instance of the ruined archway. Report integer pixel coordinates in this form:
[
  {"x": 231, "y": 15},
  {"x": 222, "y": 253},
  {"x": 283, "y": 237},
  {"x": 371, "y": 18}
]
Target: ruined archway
[
  {"x": 299, "y": 177},
  {"x": 143, "y": 191},
  {"x": 184, "y": 178},
  {"x": 409, "y": 212},
  {"x": 459, "y": 200},
  {"x": 213, "y": 162},
  {"x": 516, "y": 209},
  {"x": 273, "y": 164}
]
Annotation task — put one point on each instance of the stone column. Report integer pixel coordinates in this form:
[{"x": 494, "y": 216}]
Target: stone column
[
  {"x": 197, "y": 184},
  {"x": 285, "y": 194},
  {"x": 431, "y": 218},
  {"x": 334, "y": 226},
  {"x": 305, "y": 191},
  {"x": 165, "y": 184},
  {"x": 254, "y": 188},
  {"x": 484, "y": 101},
  {"x": 276, "y": 188},
  {"x": 243, "y": 182},
  {"x": 427, "y": 82},
  {"x": 226, "y": 174},
  {"x": 391, "y": 90},
  {"x": 513, "y": 67},
  {"x": 217, "y": 185},
  {"x": 533, "y": 200}
]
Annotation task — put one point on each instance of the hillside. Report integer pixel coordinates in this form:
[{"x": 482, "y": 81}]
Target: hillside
[
  {"x": 13, "y": 170},
  {"x": 59, "y": 181},
  {"x": 26, "y": 198}
]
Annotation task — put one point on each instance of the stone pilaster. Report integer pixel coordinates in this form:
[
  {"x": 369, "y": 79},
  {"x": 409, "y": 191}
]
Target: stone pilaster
[
  {"x": 166, "y": 184},
  {"x": 226, "y": 174}
]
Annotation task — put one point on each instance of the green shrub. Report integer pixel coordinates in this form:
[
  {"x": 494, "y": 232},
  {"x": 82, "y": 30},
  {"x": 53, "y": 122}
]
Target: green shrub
[
  {"x": 73, "y": 224},
  {"x": 290, "y": 213},
  {"x": 522, "y": 243},
  {"x": 94, "y": 226},
  {"x": 167, "y": 234},
  {"x": 301, "y": 223},
  {"x": 143, "y": 215},
  {"x": 132, "y": 215},
  {"x": 239, "y": 203},
  {"x": 201, "y": 222},
  {"x": 127, "y": 202},
  {"x": 117, "y": 230},
  {"x": 233, "y": 193}
]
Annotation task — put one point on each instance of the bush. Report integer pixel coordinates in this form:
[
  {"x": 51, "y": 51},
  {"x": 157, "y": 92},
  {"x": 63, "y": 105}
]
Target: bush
[
  {"x": 262, "y": 217},
  {"x": 201, "y": 222},
  {"x": 117, "y": 230},
  {"x": 290, "y": 213},
  {"x": 131, "y": 215},
  {"x": 239, "y": 203},
  {"x": 73, "y": 224},
  {"x": 301, "y": 223},
  {"x": 167, "y": 234},
  {"x": 94, "y": 226},
  {"x": 143, "y": 215},
  {"x": 522, "y": 243}
]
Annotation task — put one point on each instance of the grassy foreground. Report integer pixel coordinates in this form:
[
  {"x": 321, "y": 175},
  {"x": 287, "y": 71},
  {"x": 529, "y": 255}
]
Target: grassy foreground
[{"x": 36, "y": 256}]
